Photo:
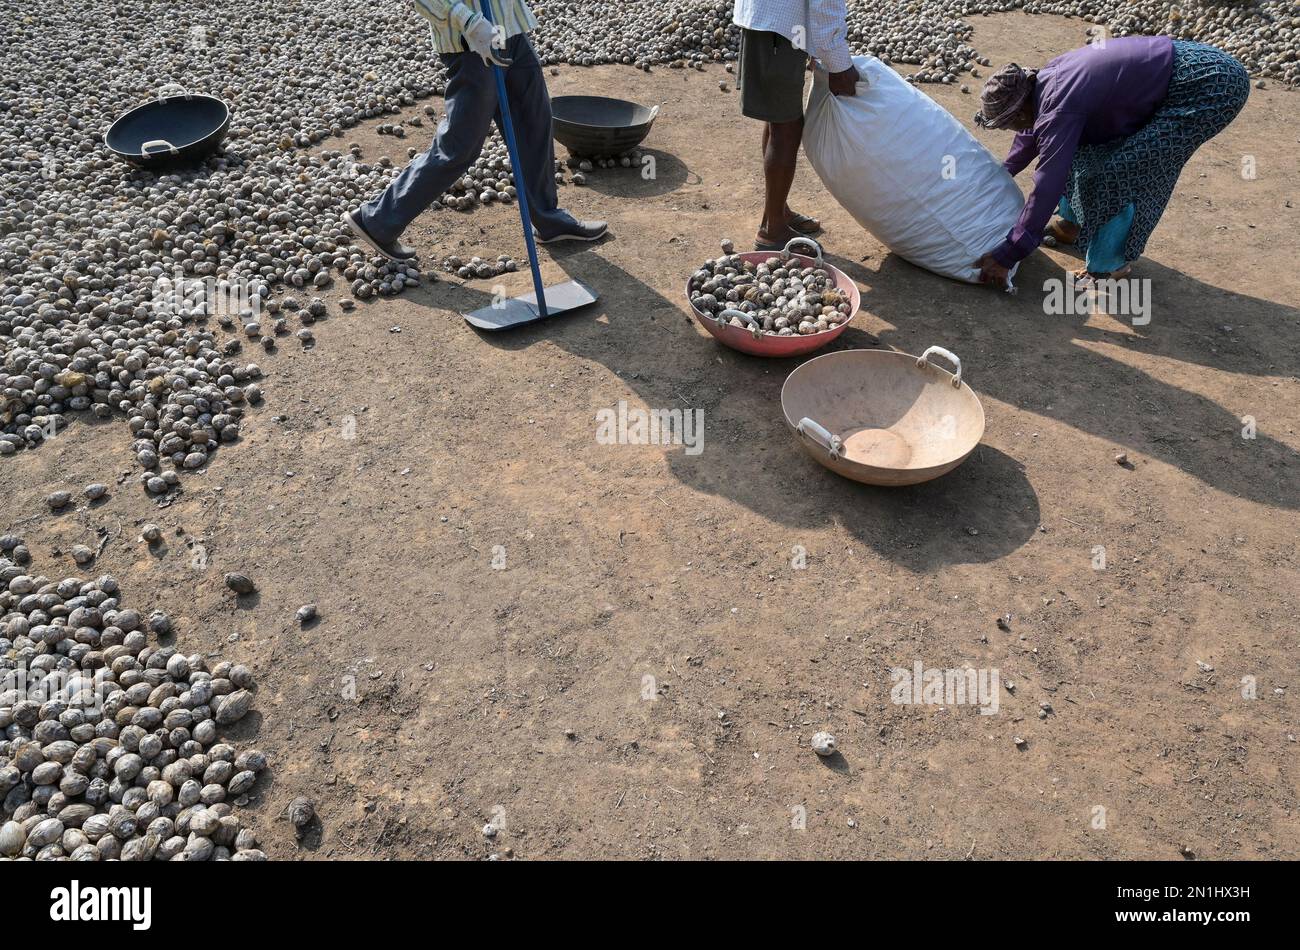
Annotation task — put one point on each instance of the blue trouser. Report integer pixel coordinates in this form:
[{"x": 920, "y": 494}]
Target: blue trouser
[
  {"x": 471, "y": 103},
  {"x": 1105, "y": 253}
]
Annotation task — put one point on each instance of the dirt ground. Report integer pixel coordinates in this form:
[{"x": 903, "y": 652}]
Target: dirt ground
[{"x": 642, "y": 678}]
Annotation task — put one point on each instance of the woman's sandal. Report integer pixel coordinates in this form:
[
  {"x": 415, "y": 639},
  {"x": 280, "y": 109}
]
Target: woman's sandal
[{"x": 1083, "y": 274}]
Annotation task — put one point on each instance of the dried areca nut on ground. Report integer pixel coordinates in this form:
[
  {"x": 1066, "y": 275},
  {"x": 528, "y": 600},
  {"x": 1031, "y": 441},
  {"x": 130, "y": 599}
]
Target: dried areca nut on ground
[
  {"x": 110, "y": 747},
  {"x": 240, "y": 583},
  {"x": 588, "y": 163},
  {"x": 479, "y": 267},
  {"x": 823, "y": 743},
  {"x": 302, "y": 812}
]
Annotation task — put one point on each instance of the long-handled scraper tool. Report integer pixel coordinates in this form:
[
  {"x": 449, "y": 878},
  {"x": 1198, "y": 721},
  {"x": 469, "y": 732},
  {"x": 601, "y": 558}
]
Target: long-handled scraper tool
[{"x": 543, "y": 302}]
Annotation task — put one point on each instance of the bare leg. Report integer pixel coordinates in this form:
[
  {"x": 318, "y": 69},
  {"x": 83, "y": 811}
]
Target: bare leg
[
  {"x": 780, "y": 153},
  {"x": 812, "y": 225}
]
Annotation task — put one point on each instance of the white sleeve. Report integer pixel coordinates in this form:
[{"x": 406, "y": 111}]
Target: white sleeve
[{"x": 828, "y": 34}]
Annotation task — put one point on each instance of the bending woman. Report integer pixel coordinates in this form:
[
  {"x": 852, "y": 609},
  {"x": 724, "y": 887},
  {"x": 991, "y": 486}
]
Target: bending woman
[{"x": 1112, "y": 126}]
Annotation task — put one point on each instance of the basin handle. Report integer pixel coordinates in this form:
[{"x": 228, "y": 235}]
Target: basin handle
[
  {"x": 654, "y": 111},
  {"x": 804, "y": 241},
  {"x": 166, "y": 88},
  {"x": 755, "y": 327},
  {"x": 821, "y": 435},
  {"x": 951, "y": 357},
  {"x": 158, "y": 143}
]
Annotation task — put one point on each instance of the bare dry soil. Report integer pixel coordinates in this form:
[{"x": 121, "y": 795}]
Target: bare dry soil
[{"x": 642, "y": 678}]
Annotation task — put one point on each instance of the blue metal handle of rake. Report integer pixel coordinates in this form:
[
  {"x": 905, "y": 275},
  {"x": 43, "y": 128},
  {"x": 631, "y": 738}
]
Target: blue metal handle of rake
[{"x": 520, "y": 190}]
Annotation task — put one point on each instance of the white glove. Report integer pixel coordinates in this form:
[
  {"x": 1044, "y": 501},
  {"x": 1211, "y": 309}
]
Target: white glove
[{"x": 481, "y": 36}]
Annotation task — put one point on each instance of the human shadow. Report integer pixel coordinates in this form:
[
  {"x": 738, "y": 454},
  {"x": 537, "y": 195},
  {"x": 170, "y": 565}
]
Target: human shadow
[
  {"x": 1191, "y": 321},
  {"x": 1196, "y": 322},
  {"x": 1058, "y": 365},
  {"x": 981, "y": 512}
]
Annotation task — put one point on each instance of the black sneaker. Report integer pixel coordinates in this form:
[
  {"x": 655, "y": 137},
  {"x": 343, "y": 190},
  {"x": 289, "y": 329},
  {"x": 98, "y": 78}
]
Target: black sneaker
[
  {"x": 395, "y": 251},
  {"x": 578, "y": 231}
]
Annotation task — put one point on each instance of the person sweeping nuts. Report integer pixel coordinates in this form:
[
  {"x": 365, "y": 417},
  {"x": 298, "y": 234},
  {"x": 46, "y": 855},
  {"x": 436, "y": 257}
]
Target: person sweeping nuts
[
  {"x": 469, "y": 46},
  {"x": 776, "y": 38},
  {"x": 1112, "y": 126}
]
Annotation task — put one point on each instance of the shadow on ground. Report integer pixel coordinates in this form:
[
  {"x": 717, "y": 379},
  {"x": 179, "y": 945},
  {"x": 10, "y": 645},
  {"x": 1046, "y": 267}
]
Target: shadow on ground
[
  {"x": 1057, "y": 366},
  {"x": 667, "y": 173},
  {"x": 751, "y": 457}
]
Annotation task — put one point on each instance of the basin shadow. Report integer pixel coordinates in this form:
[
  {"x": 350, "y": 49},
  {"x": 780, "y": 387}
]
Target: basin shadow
[{"x": 668, "y": 173}]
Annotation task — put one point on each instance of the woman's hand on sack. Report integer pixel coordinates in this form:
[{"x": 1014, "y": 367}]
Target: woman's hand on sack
[
  {"x": 844, "y": 83},
  {"x": 991, "y": 272}
]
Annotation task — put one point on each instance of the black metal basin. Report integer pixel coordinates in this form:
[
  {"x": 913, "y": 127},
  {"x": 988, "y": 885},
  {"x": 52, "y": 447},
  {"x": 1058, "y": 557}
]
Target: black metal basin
[
  {"x": 170, "y": 129},
  {"x": 598, "y": 125}
]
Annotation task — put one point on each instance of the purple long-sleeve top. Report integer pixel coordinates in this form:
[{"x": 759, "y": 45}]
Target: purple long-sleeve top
[{"x": 1086, "y": 96}]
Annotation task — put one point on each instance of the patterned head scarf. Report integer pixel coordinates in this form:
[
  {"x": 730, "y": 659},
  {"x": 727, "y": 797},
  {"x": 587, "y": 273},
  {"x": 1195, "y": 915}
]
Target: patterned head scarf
[{"x": 1003, "y": 95}]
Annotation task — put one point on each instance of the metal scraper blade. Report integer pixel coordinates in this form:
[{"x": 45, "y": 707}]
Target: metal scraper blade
[{"x": 523, "y": 310}]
